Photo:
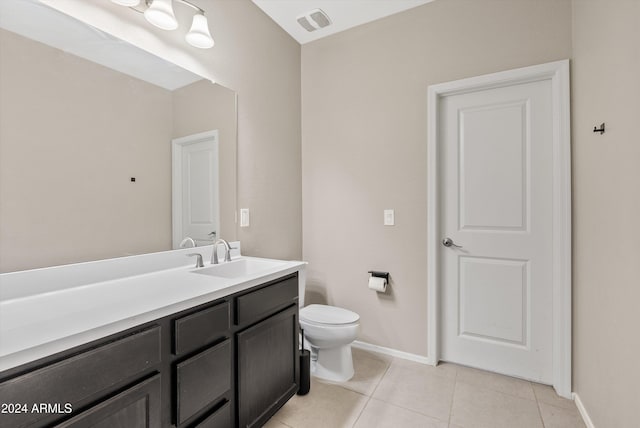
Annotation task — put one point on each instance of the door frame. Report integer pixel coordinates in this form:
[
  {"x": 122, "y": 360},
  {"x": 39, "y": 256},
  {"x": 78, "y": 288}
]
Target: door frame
[
  {"x": 558, "y": 73},
  {"x": 176, "y": 180}
]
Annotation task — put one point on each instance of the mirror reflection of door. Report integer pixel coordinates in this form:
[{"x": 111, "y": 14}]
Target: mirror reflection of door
[
  {"x": 105, "y": 112},
  {"x": 195, "y": 188}
]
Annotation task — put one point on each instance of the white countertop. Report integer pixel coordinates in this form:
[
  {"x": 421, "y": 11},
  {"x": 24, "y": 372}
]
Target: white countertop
[{"x": 37, "y": 325}]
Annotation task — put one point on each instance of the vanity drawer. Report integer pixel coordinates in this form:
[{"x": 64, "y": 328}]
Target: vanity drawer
[
  {"x": 81, "y": 377},
  {"x": 266, "y": 300},
  {"x": 138, "y": 406},
  {"x": 221, "y": 418},
  {"x": 201, "y": 328},
  {"x": 202, "y": 380}
]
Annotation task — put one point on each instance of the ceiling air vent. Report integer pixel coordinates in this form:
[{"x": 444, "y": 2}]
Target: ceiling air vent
[{"x": 314, "y": 20}]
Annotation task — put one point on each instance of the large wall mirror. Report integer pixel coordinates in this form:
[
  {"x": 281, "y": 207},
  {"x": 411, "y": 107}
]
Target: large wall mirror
[{"x": 86, "y": 129}]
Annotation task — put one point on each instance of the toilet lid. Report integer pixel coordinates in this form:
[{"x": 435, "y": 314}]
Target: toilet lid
[{"x": 323, "y": 314}]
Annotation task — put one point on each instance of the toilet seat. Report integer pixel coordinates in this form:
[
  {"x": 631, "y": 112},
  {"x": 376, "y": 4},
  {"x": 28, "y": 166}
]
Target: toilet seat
[{"x": 328, "y": 315}]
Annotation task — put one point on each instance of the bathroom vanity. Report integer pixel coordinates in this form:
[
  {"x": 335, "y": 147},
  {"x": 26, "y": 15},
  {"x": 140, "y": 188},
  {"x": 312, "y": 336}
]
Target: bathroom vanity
[{"x": 229, "y": 358}]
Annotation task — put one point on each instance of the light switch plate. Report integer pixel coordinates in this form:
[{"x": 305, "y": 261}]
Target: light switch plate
[
  {"x": 389, "y": 218},
  {"x": 244, "y": 217}
]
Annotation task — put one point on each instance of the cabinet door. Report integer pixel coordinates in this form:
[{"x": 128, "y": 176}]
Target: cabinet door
[
  {"x": 267, "y": 366},
  {"x": 136, "y": 407},
  {"x": 202, "y": 380}
]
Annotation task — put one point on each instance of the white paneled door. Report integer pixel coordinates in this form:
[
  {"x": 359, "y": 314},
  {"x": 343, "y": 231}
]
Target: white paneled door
[
  {"x": 496, "y": 243},
  {"x": 195, "y": 188}
]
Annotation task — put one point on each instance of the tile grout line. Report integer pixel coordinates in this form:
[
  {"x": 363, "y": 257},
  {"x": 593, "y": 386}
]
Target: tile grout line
[
  {"x": 538, "y": 406},
  {"x": 370, "y": 397},
  {"x": 382, "y": 377},
  {"x": 417, "y": 412},
  {"x": 361, "y": 411},
  {"x": 494, "y": 389},
  {"x": 497, "y": 391},
  {"x": 453, "y": 394},
  {"x": 401, "y": 406}
]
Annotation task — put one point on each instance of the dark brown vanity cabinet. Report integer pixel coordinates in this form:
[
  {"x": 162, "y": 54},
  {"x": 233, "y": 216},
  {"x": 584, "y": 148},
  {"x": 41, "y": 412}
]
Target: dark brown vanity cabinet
[
  {"x": 267, "y": 351},
  {"x": 232, "y": 362}
]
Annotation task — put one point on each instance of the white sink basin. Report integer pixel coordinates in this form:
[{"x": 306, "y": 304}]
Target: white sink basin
[{"x": 239, "y": 268}]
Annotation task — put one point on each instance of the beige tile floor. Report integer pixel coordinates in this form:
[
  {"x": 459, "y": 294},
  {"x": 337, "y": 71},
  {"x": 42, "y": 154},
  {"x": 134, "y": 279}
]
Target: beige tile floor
[{"x": 391, "y": 392}]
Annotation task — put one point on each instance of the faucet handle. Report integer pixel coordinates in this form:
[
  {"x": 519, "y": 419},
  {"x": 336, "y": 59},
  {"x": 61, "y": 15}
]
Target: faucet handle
[{"x": 198, "y": 256}]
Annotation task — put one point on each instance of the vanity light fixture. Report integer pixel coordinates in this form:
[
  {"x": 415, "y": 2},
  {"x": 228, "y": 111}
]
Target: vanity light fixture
[
  {"x": 160, "y": 13},
  {"x": 199, "y": 35},
  {"x": 129, "y": 3}
]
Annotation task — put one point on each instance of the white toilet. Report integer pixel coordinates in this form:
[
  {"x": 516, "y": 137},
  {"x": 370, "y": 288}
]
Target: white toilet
[{"x": 329, "y": 331}]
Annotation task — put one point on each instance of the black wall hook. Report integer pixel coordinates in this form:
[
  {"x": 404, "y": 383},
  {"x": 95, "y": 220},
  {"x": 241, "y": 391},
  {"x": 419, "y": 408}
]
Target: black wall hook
[{"x": 600, "y": 130}]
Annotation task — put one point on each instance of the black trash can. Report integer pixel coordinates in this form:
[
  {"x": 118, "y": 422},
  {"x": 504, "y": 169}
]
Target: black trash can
[{"x": 305, "y": 369}]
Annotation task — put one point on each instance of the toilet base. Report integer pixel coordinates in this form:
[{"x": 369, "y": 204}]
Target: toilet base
[{"x": 333, "y": 364}]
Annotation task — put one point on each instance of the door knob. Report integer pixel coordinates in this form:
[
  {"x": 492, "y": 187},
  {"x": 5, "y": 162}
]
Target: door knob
[{"x": 448, "y": 242}]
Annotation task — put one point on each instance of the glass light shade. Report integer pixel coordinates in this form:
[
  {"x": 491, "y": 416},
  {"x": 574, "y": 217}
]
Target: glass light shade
[
  {"x": 129, "y": 3},
  {"x": 199, "y": 36},
  {"x": 160, "y": 14}
]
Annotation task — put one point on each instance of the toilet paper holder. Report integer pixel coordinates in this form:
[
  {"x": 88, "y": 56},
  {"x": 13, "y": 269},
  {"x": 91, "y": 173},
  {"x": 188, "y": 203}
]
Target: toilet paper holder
[{"x": 379, "y": 274}]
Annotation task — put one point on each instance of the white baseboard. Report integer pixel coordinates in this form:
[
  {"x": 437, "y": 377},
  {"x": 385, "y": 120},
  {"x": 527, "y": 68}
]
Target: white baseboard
[
  {"x": 390, "y": 351},
  {"x": 583, "y": 412}
]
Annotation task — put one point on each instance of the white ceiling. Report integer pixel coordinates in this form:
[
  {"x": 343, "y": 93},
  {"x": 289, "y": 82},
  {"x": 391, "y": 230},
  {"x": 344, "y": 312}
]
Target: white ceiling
[
  {"x": 344, "y": 14},
  {"x": 38, "y": 22}
]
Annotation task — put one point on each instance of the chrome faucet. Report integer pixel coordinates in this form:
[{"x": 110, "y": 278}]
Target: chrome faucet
[
  {"x": 227, "y": 251},
  {"x": 186, "y": 241}
]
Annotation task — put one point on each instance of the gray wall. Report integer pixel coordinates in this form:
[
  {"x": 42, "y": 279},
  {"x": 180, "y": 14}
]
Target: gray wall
[
  {"x": 606, "y": 207},
  {"x": 364, "y": 144},
  {"x": 66, "y": 159}
]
